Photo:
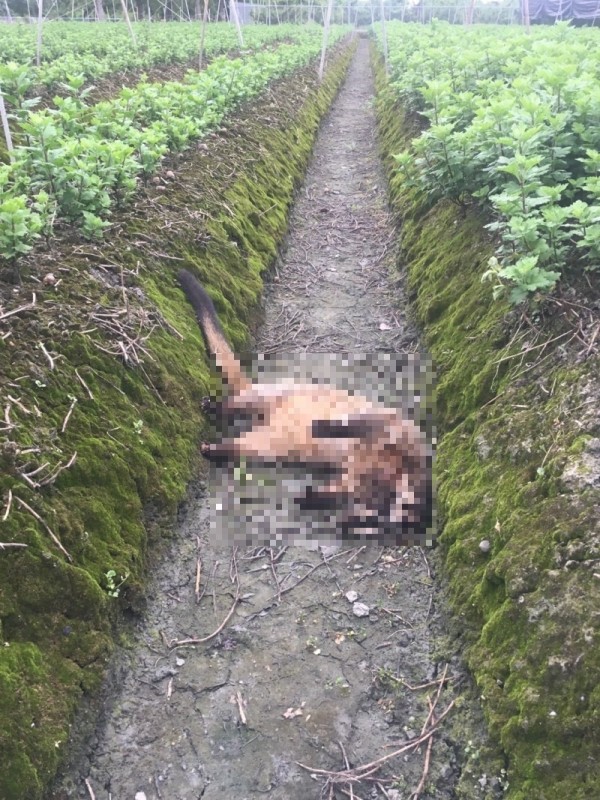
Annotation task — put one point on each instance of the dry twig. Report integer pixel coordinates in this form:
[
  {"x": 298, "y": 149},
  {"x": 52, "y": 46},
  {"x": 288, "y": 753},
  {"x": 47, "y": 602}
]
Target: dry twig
[
  {"x": 68, "y": 416},
  {"x": 60, "y": 468},
  {"x": 20, "y": 308},
  {"x": 198, "y": 572},
  {"x": 84, "y": 384},
  {"x": 236, "y": 599},
  {"x": 8, "y": 505},
  {"x": 51, "y": 360},
  {"x": 51, "y": 533}
]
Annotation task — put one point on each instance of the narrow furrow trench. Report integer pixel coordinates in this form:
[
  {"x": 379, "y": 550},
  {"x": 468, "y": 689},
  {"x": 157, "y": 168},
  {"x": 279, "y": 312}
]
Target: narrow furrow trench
[{"x": 294, "y": 676}]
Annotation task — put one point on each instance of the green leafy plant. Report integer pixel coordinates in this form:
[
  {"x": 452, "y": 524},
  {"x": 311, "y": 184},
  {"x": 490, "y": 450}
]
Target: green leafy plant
[
  {"x": 19, "y": 226},
  {"x": 113, "y": 587},
  {"x": 77, "y": 163},
  {"x": 509, "y": 128}
]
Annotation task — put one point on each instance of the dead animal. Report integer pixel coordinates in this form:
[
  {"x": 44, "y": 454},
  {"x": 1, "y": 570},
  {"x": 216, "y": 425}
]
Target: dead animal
[{"x": 377, "y": 462}]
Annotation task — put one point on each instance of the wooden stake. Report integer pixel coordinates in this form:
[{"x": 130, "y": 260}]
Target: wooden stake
[
  {"x": 5, "y": 128},
  {"x": 384, "y": 36},
  {"x": 325, "y": 38},
  {"x": 525, "y": 13},
  {"x": 469, "y": 13},
  {"x": 38, "y": 49},
  {"x": 124, "y": 7},
  {"x": 236, "y": 19},
  {"x": 203, "y": 31}
]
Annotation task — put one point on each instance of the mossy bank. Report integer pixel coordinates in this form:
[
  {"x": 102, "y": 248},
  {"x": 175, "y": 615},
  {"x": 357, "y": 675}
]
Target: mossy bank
[
  {"x": 519, "y": 470},
  {"x": 101, "y": 382}
]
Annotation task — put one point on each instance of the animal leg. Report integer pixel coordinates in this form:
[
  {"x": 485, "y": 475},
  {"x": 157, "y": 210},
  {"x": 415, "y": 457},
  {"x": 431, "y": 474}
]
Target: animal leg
[
  {"x": 254, "y": 445},
  {"x": 324, "y": 498}
]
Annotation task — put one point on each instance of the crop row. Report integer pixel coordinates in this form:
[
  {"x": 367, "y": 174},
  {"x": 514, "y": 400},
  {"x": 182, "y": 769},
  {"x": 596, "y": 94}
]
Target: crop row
[
  {"x": 75, "y": 163},
  {"x": 99, "y": 49},
  {"x": 514, "y": 123}
]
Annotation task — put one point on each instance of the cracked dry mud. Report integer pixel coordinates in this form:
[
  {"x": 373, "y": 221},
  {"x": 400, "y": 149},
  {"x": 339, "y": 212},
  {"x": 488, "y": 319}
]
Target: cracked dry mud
[{"x": 294, "y": 676}]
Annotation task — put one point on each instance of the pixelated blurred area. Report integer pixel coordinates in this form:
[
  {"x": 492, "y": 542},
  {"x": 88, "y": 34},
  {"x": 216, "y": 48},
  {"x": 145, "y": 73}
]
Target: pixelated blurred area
[{"x": 260, "y": 505}]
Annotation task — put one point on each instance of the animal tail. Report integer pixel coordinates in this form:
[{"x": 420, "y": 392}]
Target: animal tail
[{"x": 213, "y": 334}]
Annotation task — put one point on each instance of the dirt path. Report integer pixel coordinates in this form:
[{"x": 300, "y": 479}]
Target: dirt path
[{"x": 295, "y": 675}]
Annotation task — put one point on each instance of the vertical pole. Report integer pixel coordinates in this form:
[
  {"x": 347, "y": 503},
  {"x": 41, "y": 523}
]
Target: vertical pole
[
  {"x": 236, "y": 19},
  {"x": 5, "y": 128},
  {"x": 525, "y": 13},
  {"x": 124, "y": 6},
  {"x": 325, "y": 39},
  {"x": 38, "y": 49},
  {"x": 384, "y": 36},
  {"x": 204, "y": 18}
]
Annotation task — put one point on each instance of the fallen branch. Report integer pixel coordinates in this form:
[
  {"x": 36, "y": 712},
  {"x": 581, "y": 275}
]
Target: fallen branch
[
  {"x": 8, "y": 506},
  {"x": 88, "y": 786},
  {"x": 84, "y": 384},
  {"x": 366, "y": 770},
  {"x": 417, "y": 793},
  {"x": 309, "y": 573},
  {"x": 9, "y": 423},
  {"x": 69, "y": 412},
  {"x": 47, "y": 354},
  {"x": 27, "y": 476},
  {"x": 51, "y": 533},
  {"x": 236, "y": 600},
  {"x": 19, "y": 404},
  {"x": 60, "y": 468},
  {"x": 21, "y": 308},
  {"x": 240, "y": 704},
  {"x": 198, "y": 572},
  {"x": 4, "y": 545}
]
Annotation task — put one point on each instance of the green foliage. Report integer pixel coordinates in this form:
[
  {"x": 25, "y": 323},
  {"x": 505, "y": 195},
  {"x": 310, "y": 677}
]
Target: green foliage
[
  {"x": 136, "y": 431},
  {"x": 96, "y": 51},
  {"x": 523, "y": 609},
  {"x": 18, "y": 227},
  {"x": 514, "y": 123},
  {"x": 77, "y": 163}
]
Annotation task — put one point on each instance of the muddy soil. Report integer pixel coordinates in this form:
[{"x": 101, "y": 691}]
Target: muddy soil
[{"x": 294, "y": 672}]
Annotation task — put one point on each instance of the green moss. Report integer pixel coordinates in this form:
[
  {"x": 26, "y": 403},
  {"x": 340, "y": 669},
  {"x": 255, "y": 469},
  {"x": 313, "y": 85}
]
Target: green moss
[
  {"x": 135, "y": 426},
  {"x": 527, "y": 607}
]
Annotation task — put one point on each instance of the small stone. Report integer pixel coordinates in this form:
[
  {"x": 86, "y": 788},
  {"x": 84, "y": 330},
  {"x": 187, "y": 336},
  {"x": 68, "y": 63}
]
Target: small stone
[
  {"x": 49, "y": 279},
  {"x": 156, "y": 179},
  {"x": 352, "y": 596},
  {"x": 552, "y": 714},
  {"x": 180, "y": 662},
  {"x": 170, "y": 174},
  {"x": 164, "y": 672},
  {"x": 140, "y": 796},
  {"x": 483, "y": 448},
  {"x": 485, "y": 546},
  {"x": 360, "y": 610}
]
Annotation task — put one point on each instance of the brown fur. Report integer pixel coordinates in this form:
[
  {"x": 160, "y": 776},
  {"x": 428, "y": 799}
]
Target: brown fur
[{"x": 380, "y": 458}]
